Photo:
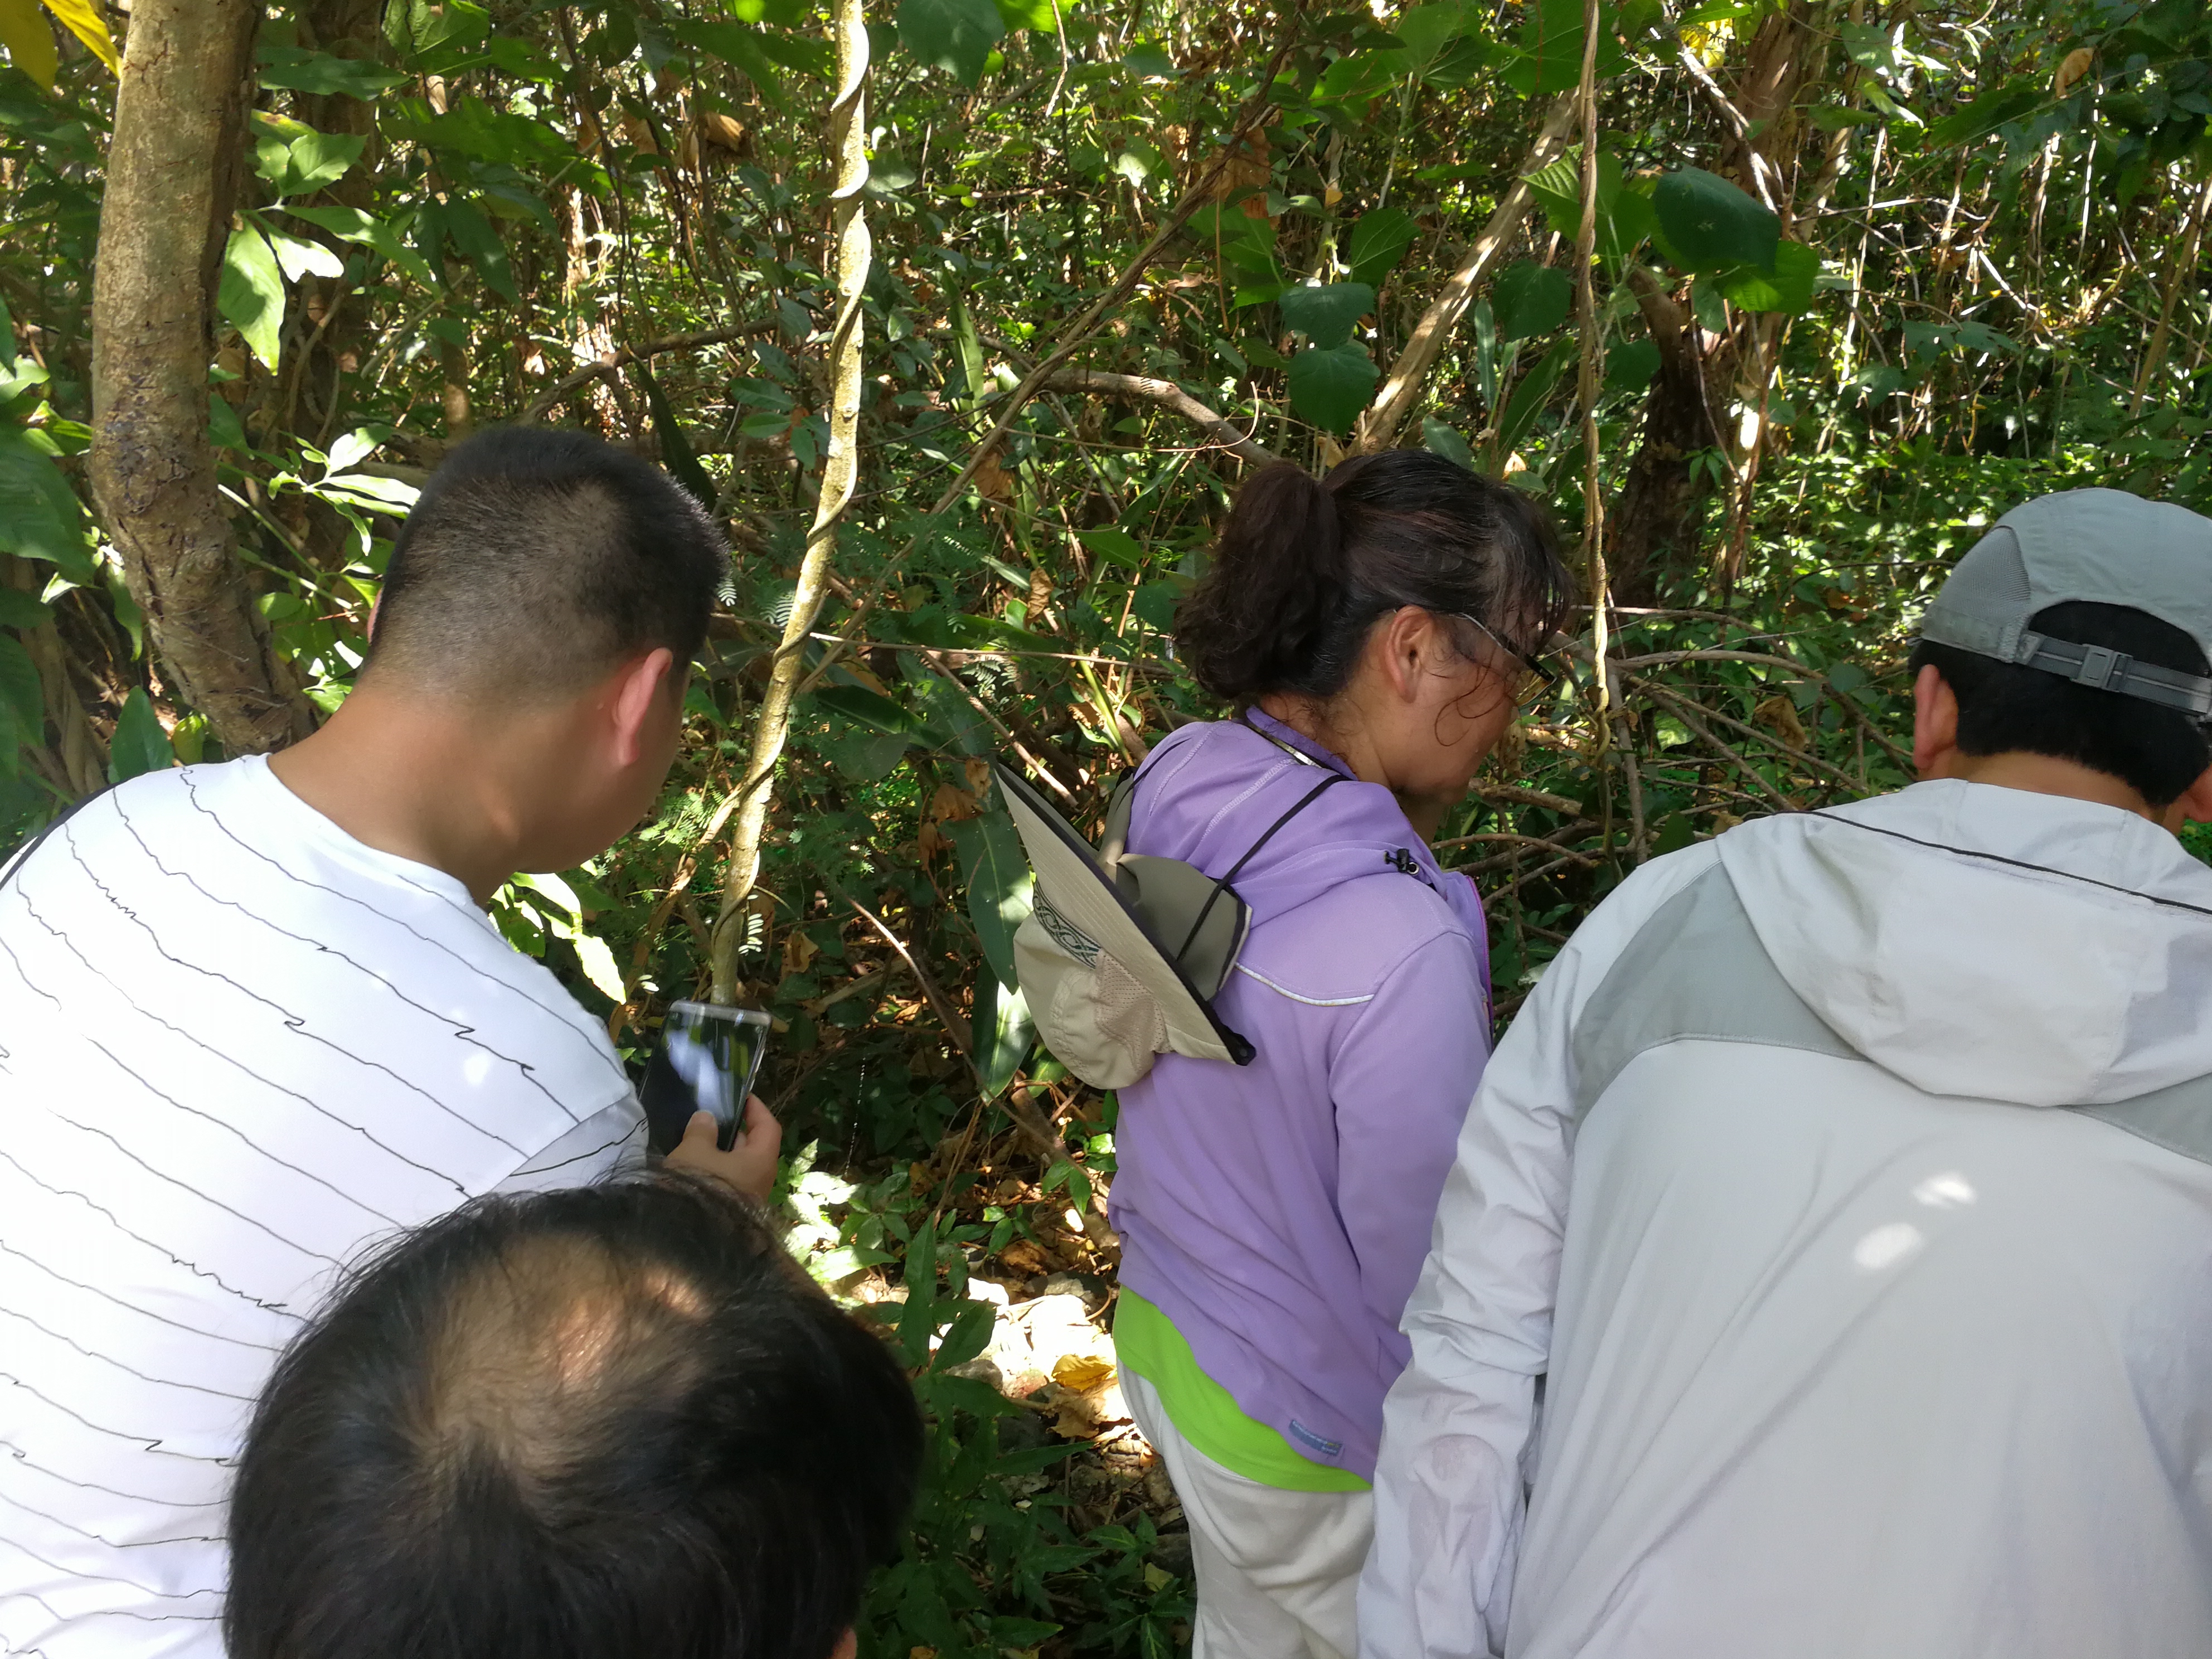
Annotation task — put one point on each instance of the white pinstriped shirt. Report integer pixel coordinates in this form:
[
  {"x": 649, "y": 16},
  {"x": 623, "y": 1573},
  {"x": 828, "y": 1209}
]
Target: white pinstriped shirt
[{"x": 235, "y": 1046}]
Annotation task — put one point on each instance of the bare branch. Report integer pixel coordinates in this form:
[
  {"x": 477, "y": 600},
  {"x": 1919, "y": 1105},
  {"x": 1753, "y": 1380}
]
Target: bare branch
[
  {"x": 613, "y": 362},
  {"x": 1378, "y": 427},
  {"x": 1171, "y": 396}
]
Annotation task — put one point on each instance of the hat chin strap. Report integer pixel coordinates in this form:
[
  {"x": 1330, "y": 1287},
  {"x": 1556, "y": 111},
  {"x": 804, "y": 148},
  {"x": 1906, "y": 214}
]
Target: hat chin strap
[{"x": 2104, "y": 670}]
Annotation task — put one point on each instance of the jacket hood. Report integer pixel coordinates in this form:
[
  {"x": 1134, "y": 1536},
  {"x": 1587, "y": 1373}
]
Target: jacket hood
[
  {"x": 1988, "y": 942},
  {"x": 1206, "y": 793}
]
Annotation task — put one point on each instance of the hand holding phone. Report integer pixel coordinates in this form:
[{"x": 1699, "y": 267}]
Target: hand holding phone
[
  {"x": 749, "y": 1165},
  {"x": 706, "y": 1061}
]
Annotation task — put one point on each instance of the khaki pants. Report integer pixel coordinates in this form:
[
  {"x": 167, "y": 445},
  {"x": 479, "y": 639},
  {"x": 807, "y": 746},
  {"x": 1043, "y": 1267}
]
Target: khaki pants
[{"x": 1276, "y": 1569}]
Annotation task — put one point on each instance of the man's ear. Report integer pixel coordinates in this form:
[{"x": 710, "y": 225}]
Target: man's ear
[
  {"x": 848, "y": 1645},
  {"x": 636, "y": 693},
  {"x": 2195, "y": 806},
  {"x": 1935, "y": 725}
]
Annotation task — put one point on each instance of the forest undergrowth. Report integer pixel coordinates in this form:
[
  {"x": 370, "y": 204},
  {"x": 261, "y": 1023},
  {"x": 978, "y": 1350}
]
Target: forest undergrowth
[{"x": 1777, "y": 306}]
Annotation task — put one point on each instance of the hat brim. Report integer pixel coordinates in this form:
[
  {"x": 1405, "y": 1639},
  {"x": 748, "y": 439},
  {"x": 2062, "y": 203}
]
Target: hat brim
[{"x": 1082, "y": 894}]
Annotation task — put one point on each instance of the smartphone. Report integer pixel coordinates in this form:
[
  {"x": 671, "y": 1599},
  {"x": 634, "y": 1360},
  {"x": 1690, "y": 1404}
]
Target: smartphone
[{"x": 706, "y": 1061}]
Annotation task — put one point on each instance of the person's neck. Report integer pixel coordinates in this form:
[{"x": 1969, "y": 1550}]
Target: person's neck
[
  {"x": 2046, "y": 774},
  {"x": 413, "y": 777}
]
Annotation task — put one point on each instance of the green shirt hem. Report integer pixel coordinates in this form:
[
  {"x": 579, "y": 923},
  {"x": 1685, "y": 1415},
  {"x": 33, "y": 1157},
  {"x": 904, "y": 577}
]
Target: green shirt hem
[{"x": 1146, "y": 1344}]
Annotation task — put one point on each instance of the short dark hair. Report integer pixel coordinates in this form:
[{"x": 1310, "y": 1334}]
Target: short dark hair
[
  {"x": 537, "y": 558},
  {"x": 1304, "y": 566},
  {"x": 613, "y": 1422},
  {"x": 2007, "y": 707}
]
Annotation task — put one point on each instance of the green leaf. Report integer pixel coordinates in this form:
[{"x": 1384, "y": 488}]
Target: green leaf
[
  {"x": 1116, "y": 546},
  {"x": 1330, "y": 386},
  {"x": 139, "y": 744},
  {"x": 352, "y": 225},
  {"x": 251, "y": 297},
  {"x": 1326, "y": 315},
  {"x": 39, "y": 517},
  {"x": 1004, "y": 1032},
  {"x": 472, "y": 234},
  {"x": 297, "y": 257},
  {"x": 954, "y": 35},
  {"x": 870, "y": 708},
  {"x": 29, "y": 41},
  {"x": 1987, "y": 112},
  {"x": 19, "y": 684},
  {"x": 1528, "y": 398},
  {"x": 1629, "y": 366},
  {"x": 1149, "y": 61},
  {"x": 1788, "y": 288},
  {"x": 1440, "y": 440},
  {"x": 1709, "y": 224},
  {"x": 1550, "y": 55},
  {"x": 473, "y": 128},
  {"x": 317, "y": 158},
  {"x": 968, "y": 1335},
  {"x": 22, "y": 609},
  {"x": 999, "y": 885},
  {"x": 1625, "y": 217},
  {"x": 1377, "y": 242},
  {"x": 293, "y": 68},
  {"x": 1531, "y": 300},
  {"x": 1037, "y": 16}
]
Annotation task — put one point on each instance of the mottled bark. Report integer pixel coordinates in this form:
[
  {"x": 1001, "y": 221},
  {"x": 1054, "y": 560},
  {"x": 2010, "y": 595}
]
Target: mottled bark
[
  {"x": 1663, "y": 500},
  {"x": 171, "y": 176}
]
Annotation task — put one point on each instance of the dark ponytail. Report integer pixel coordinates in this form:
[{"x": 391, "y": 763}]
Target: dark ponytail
[{"x": 1304, "y": 567}]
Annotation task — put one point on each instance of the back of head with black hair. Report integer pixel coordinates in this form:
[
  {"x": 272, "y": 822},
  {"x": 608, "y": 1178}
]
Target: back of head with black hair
[
  {"x": 2007, "y": 707},
  {"x": 609, "y": 1423},
  {"x": 1305, "y": 567},
  {"x": 535, "y": 560}
]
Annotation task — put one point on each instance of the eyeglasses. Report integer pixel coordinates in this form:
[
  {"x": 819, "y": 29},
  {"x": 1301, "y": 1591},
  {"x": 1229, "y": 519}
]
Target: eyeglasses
[{"x": 1537, "y": 682}]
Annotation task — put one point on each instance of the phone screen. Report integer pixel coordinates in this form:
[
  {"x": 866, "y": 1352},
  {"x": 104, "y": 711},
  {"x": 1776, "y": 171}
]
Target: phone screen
[{"x": 706, "y": 1061}]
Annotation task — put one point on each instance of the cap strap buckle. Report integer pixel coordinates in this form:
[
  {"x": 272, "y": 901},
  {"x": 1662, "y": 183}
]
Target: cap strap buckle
[{"x": 2102, "y": 668}]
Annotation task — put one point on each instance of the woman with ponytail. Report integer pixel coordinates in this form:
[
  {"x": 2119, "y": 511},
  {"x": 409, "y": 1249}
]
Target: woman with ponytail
[{"x": 1373, "y": 633}]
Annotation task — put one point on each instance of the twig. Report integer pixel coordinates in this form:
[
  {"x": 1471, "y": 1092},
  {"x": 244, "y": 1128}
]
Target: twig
[
  {"x": 939, "y": 1004},
  {"x": 610, "y": 362},
  {"x": 1681, "y": 707},
  {"x": 1378, "y": 426},
  {"x": 1093, "y": 316},
  {"x": 1169, "y": 396}
]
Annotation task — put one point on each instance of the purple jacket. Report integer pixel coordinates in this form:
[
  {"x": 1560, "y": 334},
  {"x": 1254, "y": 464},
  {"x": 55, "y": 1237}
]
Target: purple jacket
[{"x": 1278, "y": 1212}]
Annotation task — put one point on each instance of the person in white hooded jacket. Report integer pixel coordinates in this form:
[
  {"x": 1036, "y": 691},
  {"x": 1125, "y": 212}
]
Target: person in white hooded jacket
[{"x": 1843, "y": 1193}]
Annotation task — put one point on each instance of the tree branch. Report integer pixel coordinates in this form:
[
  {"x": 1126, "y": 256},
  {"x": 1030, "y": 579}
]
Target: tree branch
[
  {"x": 1171, "y": 396},
  {"x": 1378, "y": 427},
  {"x": 610, "y": 362}
]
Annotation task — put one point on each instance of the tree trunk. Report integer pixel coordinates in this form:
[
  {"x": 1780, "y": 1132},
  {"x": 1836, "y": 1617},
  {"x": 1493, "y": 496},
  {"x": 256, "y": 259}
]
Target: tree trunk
[
  {"x": 172, "y": 168},
  {"x": 1661, "y": 503}
]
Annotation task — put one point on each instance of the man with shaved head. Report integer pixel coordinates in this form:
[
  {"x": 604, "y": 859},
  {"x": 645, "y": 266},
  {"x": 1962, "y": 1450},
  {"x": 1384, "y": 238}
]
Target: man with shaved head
[{"x": 253, "y": 1015}]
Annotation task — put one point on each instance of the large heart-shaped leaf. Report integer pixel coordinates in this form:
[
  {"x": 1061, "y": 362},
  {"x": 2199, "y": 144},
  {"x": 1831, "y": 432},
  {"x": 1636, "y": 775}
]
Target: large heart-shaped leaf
[
  {"x": 1326, "y": 315},
  {"x": 1709, "y": 224},
  {"x": 1330, "y": 386},
  {"x": 954, "y": 35},
  {"x": 1787, "y": 287},
  {"x": 1531, "y": 300},
  {"x": 1377, "y": 242}
]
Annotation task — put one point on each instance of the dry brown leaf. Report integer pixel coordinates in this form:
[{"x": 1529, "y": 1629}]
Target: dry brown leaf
[
  {"x": 993, "y": 482},
  {"x": 951, "y": 803},
  {"x": 1075, "y": 1417},
  {"x": 722, "y": 132},
  {"x": 977, "y": 771},
  {"x": 2072, "y": 68},
  {"x": 798, "y": 952},
  {"x": 1026, "y": 1258},
  {"x": 1779, "y": 714},
  {"x": 930, "y": 842}
]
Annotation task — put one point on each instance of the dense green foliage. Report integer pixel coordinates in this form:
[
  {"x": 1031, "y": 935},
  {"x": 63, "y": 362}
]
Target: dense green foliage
[{"x": 1912, "y": 266}]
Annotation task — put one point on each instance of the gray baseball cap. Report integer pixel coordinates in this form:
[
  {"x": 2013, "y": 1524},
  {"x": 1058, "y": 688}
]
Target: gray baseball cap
[{"x": 2102, "y": 546}]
